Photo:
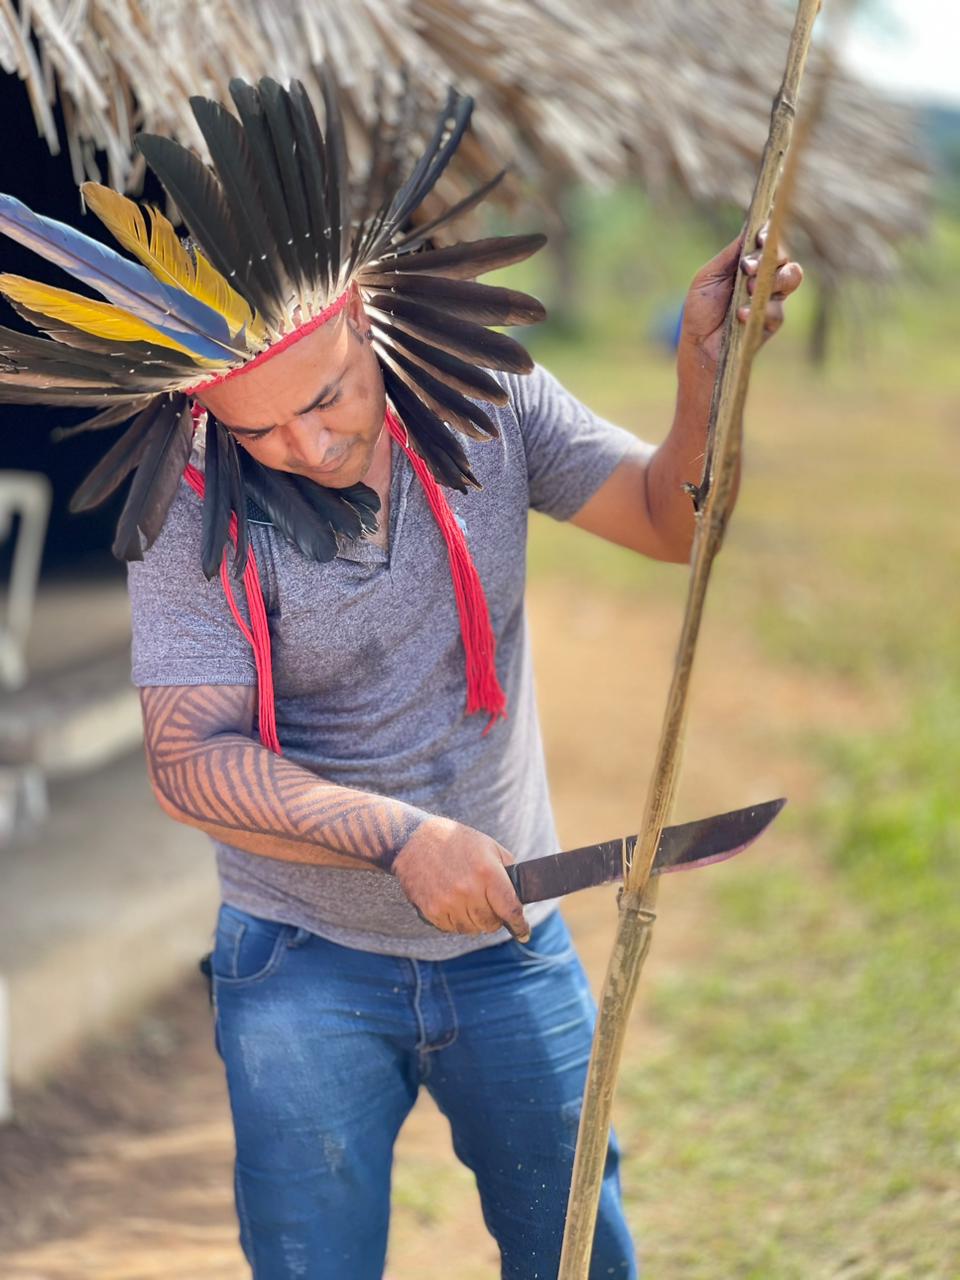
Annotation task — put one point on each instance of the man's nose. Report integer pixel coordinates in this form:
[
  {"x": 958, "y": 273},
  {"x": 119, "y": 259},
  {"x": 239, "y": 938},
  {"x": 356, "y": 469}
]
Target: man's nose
[{"x": 305, "y": 437}]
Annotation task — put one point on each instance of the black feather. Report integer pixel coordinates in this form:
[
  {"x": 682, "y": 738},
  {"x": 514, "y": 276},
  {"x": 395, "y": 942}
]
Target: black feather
[
  {"x": 482, "y": 303},
  {"x": 383, "y": 179},
  {"x": 435, "y": 443},
  {"x": 413, "y": 239},
  {"x": 309, "y": 514},
  {"x": 336, "y": 178},
  {"x": 202, "y": 205},
  {"x": 293, "y": 516},
  {"x": 365, "y": 503},
  {"x": 279, "y": 117},
  {"x": 58, "y": 377},
  {"x": 311, "y": 153},
  {"x": 90, "y": 397},
  {"x": 223, "y": 495},
  {"x": 29, "y": 354},
  {"x": 437, "y": 153},
  {"x": 116, "y": 382},
  {"x": 265, "y": 161},
  {"x": 448, "y": 133},
  {"x": 216, "y": 500},
  {"x": 460, "y": 337},
  {"x": 108, "y": 418},
  {"x": 156, "y": 479},
  {"x": 449, "y": 405},
  {"x": 238, "y": 502},
  {"x": 457, "y": 373},
  {"x": 27, "y": 346},
  {"x": 369, "y": 234},
  {"x": 235, "y": 167},
  {"x": 351, "y": 511},
  {"x": 466, "y": 260},
  {"x": 390, "y": 141},
  {"x": 117, "y": 463}
]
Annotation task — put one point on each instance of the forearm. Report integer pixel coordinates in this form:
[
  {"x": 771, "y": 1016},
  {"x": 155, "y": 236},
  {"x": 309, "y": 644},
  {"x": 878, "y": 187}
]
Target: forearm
[
  {"x": 680, "y": 458},
  {"x": 238, "y": 791}
]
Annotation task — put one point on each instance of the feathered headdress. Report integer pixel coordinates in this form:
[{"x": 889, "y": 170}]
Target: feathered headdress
[{"x": 279, "y": 238}]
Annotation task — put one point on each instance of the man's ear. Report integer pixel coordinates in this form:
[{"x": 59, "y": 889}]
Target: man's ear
[{"x": 357, "y": 316}]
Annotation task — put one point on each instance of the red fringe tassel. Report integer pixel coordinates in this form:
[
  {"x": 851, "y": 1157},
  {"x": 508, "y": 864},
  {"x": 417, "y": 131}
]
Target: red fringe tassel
[
  {"x": 484, "y": 692},
  {"x": 258, "y": 633}
]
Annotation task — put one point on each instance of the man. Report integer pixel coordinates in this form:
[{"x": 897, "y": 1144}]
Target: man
[{"x": 369, "y": 939}]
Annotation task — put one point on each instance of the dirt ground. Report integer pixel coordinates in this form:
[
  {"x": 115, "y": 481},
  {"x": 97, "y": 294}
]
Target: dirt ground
[{"x": 121, "y": 1167}]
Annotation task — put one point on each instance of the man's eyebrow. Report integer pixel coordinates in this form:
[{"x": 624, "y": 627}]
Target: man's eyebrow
[{"x": 321, "y": 395}]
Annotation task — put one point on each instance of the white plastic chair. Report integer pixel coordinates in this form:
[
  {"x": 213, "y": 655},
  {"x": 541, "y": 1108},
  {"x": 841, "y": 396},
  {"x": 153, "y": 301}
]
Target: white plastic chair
[{"x": 25, "y": 494}]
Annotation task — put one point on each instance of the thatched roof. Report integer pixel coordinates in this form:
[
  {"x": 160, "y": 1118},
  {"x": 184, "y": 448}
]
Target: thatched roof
[
  {"x": 679, "y": 93},
  {"x": 705, "y": 73}
]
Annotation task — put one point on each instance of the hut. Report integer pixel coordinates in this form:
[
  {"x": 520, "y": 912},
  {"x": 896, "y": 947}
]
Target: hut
[{"x": 675, "y": 94}]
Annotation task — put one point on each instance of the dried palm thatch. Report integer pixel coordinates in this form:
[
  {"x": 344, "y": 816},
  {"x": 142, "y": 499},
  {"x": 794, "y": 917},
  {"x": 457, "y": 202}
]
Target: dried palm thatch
[
  {"x": 864, "y": 184},
  {"x": 677, "y": 93}
]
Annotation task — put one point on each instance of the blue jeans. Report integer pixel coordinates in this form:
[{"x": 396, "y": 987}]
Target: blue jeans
[{"x": 325, "y": 1048}]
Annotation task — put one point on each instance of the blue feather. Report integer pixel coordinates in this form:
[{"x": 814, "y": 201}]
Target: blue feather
[{"x": 126, "y": 284}]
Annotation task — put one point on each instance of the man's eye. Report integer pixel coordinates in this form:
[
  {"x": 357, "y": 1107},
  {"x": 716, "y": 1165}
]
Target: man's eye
[{"x": 262, "y": 435}]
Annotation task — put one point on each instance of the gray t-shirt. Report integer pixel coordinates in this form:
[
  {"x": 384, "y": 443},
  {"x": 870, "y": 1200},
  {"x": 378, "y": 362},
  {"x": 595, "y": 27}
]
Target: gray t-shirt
[{"x": 368, "y": 663}]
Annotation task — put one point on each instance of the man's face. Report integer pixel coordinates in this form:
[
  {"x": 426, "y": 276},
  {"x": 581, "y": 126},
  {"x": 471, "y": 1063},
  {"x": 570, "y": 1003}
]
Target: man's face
[{"x": 315, "y": 409}]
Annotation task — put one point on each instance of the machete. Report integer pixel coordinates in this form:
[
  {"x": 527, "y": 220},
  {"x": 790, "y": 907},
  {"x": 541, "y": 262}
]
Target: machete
[{"x": 681, "y": 847}]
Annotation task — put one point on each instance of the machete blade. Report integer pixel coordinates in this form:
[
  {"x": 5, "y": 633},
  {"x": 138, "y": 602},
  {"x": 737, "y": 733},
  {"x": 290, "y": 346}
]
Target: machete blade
[{"x": 681, "y": 847}]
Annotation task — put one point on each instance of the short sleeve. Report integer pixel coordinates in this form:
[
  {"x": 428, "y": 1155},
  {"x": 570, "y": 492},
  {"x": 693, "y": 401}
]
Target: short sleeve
[
  {"x": 570, "y": 449},
  {"x": 183, "y": 629}
]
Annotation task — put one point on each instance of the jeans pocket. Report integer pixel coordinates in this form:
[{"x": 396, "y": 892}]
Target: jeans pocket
[
  {"x": 248, "y": 948},
  {"x": 550, "y": 943}
]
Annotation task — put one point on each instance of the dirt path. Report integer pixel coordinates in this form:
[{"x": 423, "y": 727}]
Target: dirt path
[{"x": 121, "y": 1169}]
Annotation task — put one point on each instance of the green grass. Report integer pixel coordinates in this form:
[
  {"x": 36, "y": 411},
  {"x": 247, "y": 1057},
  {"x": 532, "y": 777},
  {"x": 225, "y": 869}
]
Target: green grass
[
  {"x": 808, "y": 1117},
  {"x": 892, "y": 809},
  {"x": 805, "y": 1120}
]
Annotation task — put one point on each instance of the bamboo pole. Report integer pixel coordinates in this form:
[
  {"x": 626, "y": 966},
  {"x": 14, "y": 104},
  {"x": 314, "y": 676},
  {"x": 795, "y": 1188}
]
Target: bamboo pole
[{"x": 713, "y": 502}]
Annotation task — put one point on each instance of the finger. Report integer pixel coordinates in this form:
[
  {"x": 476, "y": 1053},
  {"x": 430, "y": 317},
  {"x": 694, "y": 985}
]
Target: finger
[
  {"x": 762, "y": 236},
  {"x": 463, "y": 922},
  {"x": 787, "y": 280},
  {"x": 424, "y": 917},
  {"x": 750, "y": 262},
  {"x": 773, "y": 317},
  {"x": 464, "y": 926},
  {"x": 506, "y": 906},
  {"x": 483, "y": 918},
  {"x": 443, "y": 921}
]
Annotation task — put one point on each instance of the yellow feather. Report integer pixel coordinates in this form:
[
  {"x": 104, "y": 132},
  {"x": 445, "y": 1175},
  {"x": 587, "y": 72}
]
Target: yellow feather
[
  {"x": 214, "y": 289},
  {"x": 121, "y": 216},
  {"x": 166, "y": 255},
  {"x": 102, "y": 319},
  {"x": 162, "y": 251}
]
